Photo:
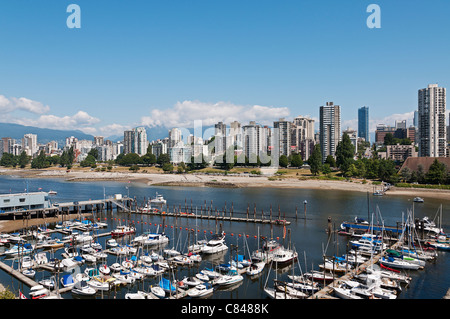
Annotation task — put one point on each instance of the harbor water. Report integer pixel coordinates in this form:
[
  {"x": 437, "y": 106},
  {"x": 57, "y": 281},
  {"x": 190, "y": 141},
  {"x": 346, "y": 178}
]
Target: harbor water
[{"x": 307, "y": 210}]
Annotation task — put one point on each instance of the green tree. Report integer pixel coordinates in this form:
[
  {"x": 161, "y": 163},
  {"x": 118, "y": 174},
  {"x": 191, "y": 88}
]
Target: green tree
[
  {"x": 283, "y": 161},
  {"x": 94, "y": 153},
  {"x": 89, "y": 161},
  {"x": 23, "y": 159},
  {"x": 437, "y": 173},
  {"x": 163, "y": 159},
  {"x": 40, "y": 161},
  {"x": 148, "y": 159},
  {"x": 196, "y": 163},
  {"x": 167, "y": 167},
  {"x": 326, "y": 169},
  {"x": 8, "y": 160},
  {"x": 296, "y": 160},
  {"x": 315, "y": 160},
  {"x": 130, "y": 159},
  {"x": 330, "y": 161},
  {"x": 345, "y": 152}
]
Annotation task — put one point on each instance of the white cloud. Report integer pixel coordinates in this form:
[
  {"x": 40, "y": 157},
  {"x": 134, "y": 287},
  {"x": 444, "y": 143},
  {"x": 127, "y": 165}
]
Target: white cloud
[
  {"x": 183, "y": 114},
  {"x": 12, "y": 104},
  {"x": 79, "y": 120}
]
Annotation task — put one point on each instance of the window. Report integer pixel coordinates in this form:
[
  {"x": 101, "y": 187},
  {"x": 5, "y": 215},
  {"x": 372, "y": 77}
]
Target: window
[
  {"x": 22, "y": 200},
  {"x": 6, "y": 201}
]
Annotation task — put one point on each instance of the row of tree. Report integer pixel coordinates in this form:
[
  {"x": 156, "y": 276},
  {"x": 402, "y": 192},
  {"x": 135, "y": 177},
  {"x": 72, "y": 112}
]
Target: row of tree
[{"x": 41, "y": 161}]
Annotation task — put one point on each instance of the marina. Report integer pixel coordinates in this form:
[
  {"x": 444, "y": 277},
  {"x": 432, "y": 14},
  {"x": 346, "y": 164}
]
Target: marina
[{"x": 307, "y": 236}]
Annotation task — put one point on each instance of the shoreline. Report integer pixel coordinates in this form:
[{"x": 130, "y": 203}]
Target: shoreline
[{"x": 221, "y": 181}]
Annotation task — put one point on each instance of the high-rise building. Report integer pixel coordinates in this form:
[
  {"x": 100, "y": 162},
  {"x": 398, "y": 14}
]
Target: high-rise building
[
  {"x": 29, "y": 144},
  {"x": 220, "y": 142},
  {"x": 302, "y": 135},
  {"x": 284, "y": 136},
  {"x": 175, "y": 137},
  {"x": 330, "y": 129},
  {"x": 431, "y": 107},
  {"x": 135, "y": 141},
  {"x": 255, "y": 140},
  {"x": 363, "y": 123}
]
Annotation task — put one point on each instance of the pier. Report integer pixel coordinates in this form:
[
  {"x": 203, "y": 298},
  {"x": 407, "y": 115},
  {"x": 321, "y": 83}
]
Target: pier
[
  {"x": 78, "y": 207},
  {"x": 327, "y": 291}
]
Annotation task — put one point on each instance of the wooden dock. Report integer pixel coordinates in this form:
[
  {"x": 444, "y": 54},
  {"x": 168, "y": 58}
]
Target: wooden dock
[
  {"x": 221, "y": 217},
  {"x": 327, "y": 291}
]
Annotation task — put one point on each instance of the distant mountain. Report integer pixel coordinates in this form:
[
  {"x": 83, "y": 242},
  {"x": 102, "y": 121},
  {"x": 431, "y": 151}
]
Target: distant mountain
[{"x": 44, "y": 135}]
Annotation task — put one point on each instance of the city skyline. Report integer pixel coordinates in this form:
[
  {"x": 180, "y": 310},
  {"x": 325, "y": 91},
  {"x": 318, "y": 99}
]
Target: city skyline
[{"x": 160, "y": 64}]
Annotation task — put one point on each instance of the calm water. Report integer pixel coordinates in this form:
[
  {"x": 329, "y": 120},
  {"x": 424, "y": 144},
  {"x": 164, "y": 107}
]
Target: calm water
[{"x": 307, "y": 235}]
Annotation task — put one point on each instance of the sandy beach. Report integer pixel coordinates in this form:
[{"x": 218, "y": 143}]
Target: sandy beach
[{"x": 216, "y": 180}]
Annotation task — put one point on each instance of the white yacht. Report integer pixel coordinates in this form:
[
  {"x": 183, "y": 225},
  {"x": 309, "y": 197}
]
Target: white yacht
[
  {"x": 215, "y": 245},
  {"x": 158, "y": 200}
]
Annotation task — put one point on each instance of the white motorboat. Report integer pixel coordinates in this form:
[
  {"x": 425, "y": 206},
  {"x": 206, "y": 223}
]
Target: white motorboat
[
  {"x": 124, "y": 277},
  {"x": 84, "y": 237},
  {"x": 38, "y": 292},
  {"x": 202, "y": 276},
  {"x": 102, "y": 283},
  {"x": 201, "y": 291},
  {"x": 111, "y": 243},
  {"x": 192, "y": 281},
  {"x": 158, "y": 291},
  {"x": 344, "y": 292},
  {"x": 158, "y": 200},
  {"x": 19, "y": 250},
  {"x": 215, "y": 245},
  {"x": 49, "y": 283},
  {"x": 104, "y": 269},
  {"x": 398, "y": 263},
  {"x": 147, "y": 208},
  {"x": 231, "y": 278},
  {"x": 29, "y": 272},
  {"x": 27, "y": 262},
  {"x": 274, "y": 294},
  {"x": 81, "y": 288},
  {"x": 116, "y": 267},
  {"x": 418, "y": 200},
  {"x": 123, "y": 230},
  {"x": 212, "y": 274},
  {"x": 171, "y": 252},
  {"x": 69, "y": 262},
  {"x": 284, "y": 256},
  {"x": 144, "y": 270},
  {"x": 255, "y": 268},
  {"x": 285, "y": 288},
  {"x": 140, "y": 295}
]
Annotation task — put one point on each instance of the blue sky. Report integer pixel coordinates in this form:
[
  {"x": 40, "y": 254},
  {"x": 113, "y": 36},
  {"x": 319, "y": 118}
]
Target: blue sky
[{"x": 170, "y": 62}]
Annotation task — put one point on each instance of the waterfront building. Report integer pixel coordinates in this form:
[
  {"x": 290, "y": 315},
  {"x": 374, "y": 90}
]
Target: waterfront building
[
  {"x": 363, "y": 123},
  {"x": 431, "y": 108},
  {"x": 330, "y": 129},
  {"x": 24, "y": 201}
]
